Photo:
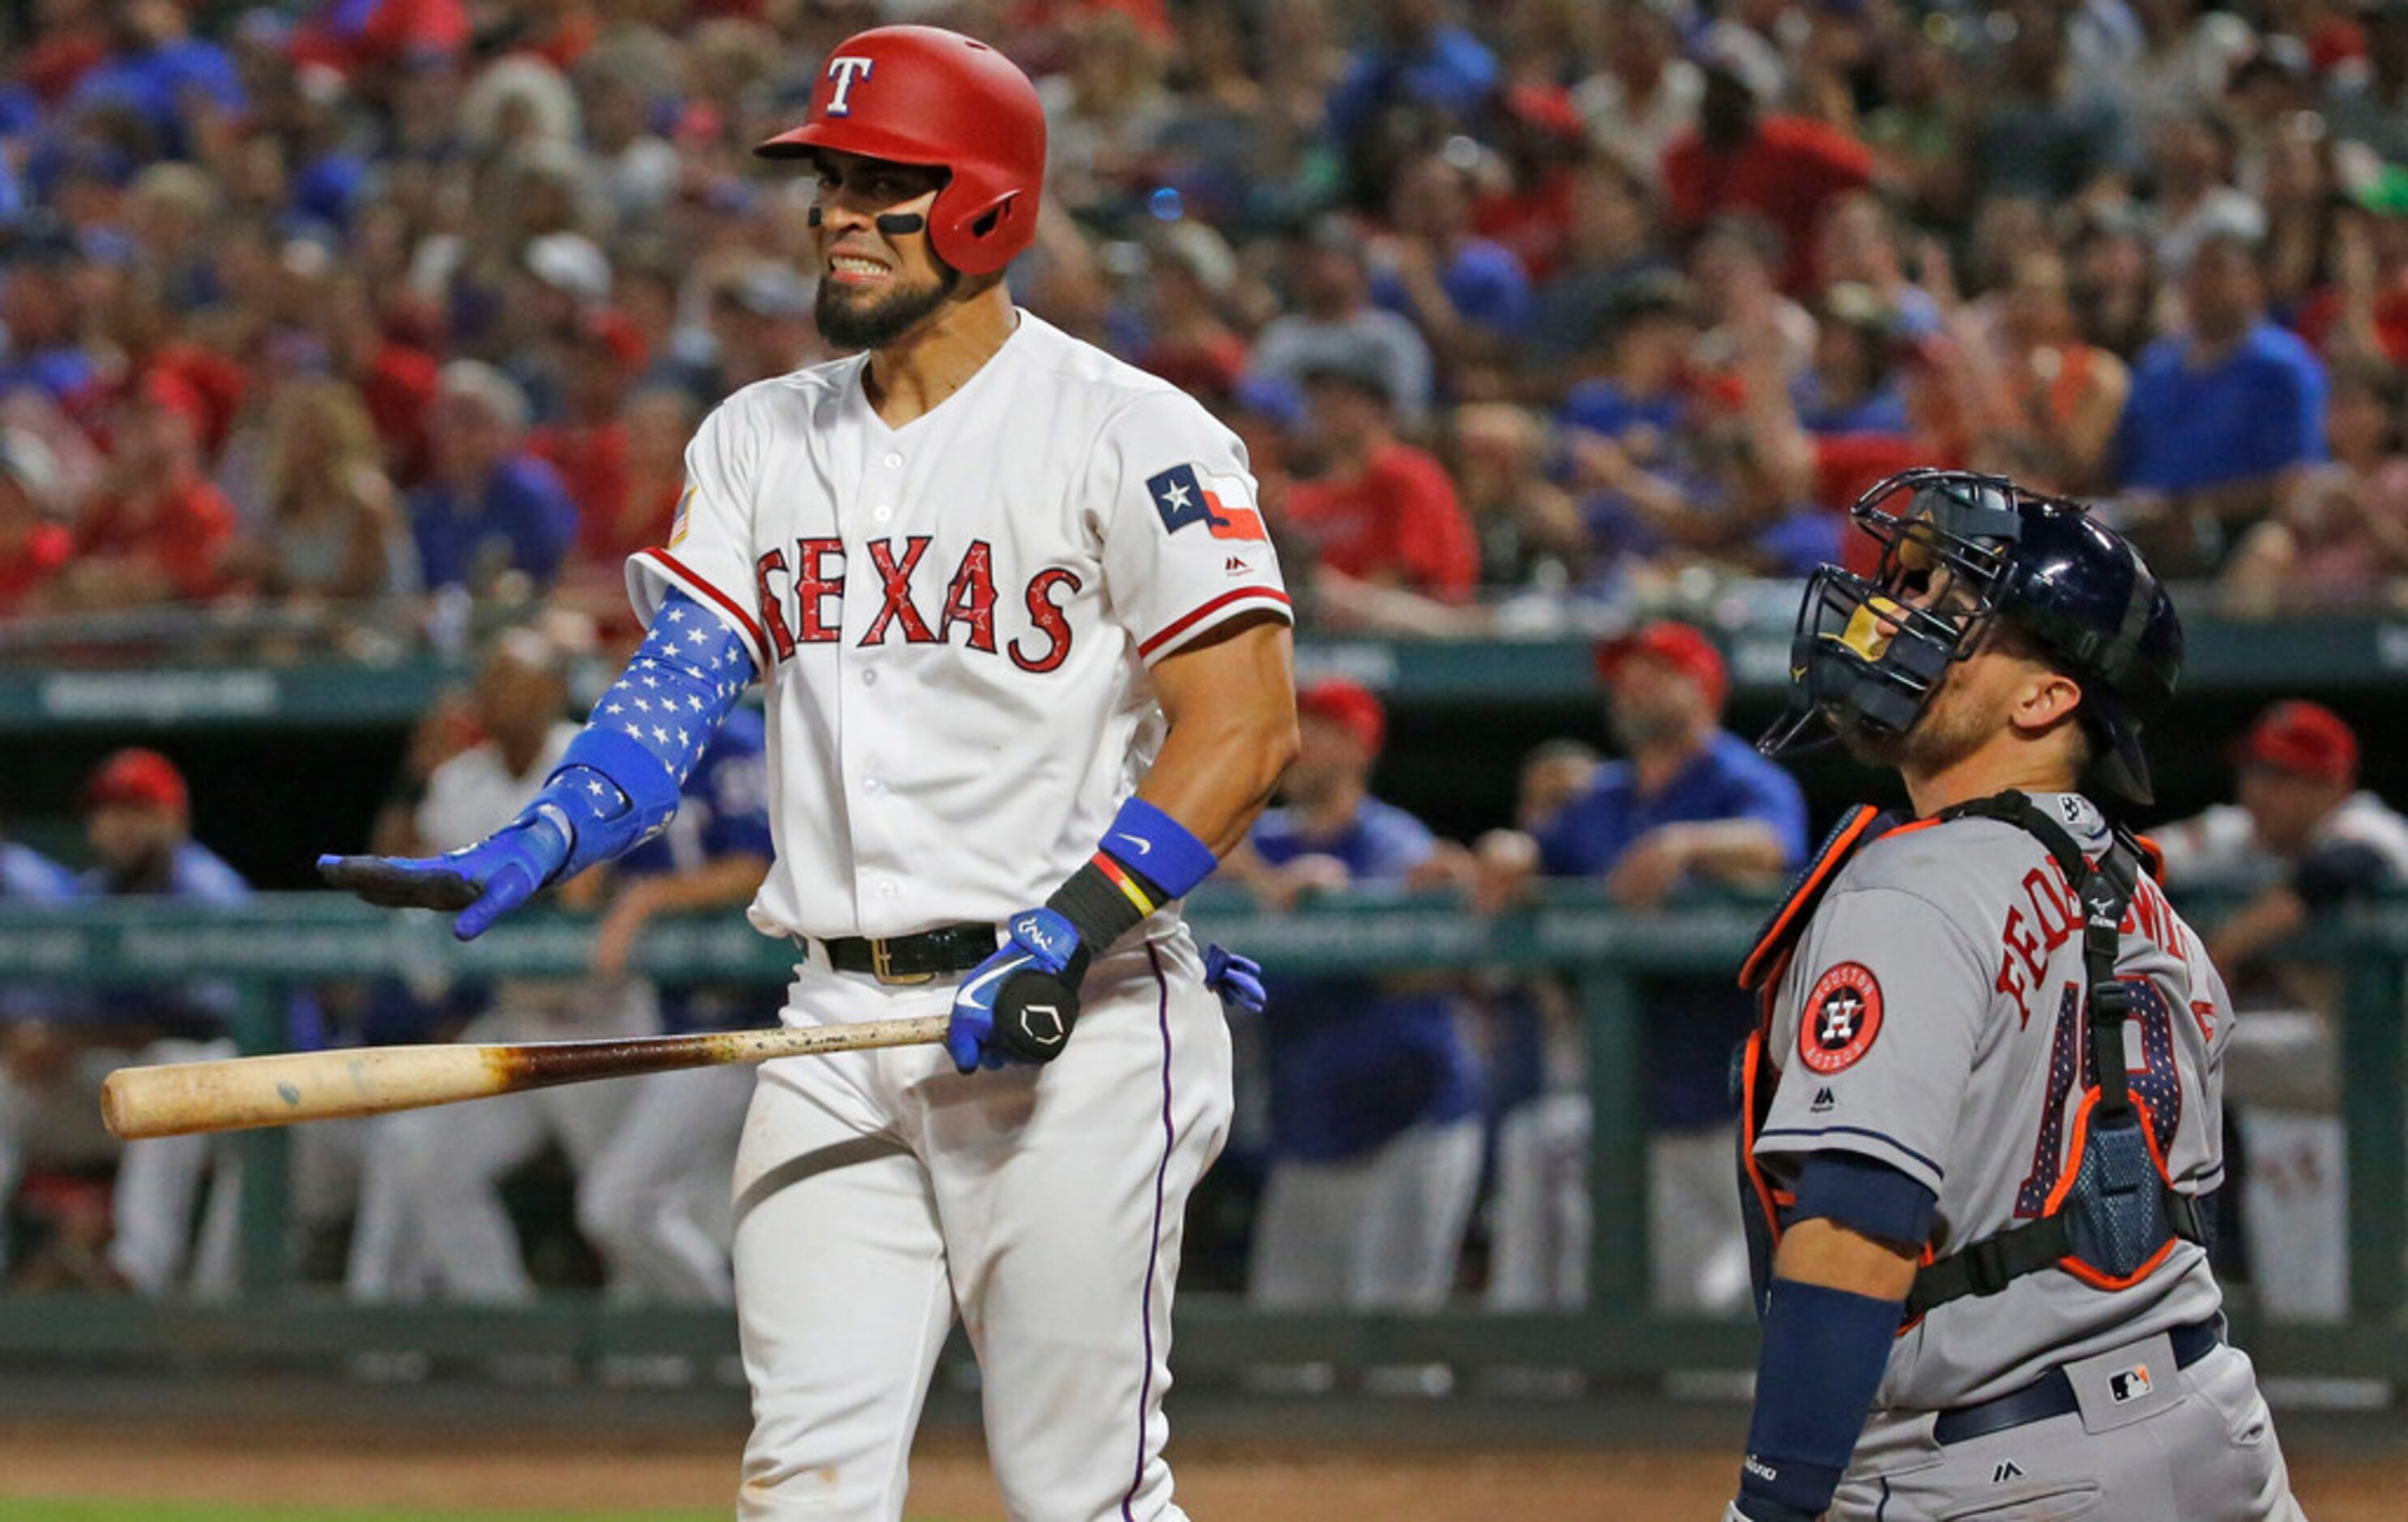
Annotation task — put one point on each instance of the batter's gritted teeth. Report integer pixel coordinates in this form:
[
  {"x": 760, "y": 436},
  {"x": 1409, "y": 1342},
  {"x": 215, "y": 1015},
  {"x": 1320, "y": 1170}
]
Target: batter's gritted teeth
[{"x": 850, "y": 264}]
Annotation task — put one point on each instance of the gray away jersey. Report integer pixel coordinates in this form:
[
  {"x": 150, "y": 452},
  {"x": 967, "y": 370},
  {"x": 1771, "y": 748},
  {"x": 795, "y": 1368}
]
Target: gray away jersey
[{"x": 1930, "y": 1019}]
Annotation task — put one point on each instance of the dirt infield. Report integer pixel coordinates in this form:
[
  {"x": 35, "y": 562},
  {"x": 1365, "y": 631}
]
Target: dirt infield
[{"x": 1219, "y": 1480}]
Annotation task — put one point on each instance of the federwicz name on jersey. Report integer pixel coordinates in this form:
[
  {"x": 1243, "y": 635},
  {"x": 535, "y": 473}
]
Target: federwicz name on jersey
[
  {"x": 1930, "y": 1018},
  {"x": 955, "y": 619}
]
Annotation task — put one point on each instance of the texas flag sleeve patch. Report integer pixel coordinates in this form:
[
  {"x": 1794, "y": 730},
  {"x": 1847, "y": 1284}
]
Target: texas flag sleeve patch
[{"x": 1183, "y": 495}]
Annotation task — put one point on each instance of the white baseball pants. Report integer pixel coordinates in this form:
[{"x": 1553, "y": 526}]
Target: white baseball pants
[{"x": 879, "y": 1194}]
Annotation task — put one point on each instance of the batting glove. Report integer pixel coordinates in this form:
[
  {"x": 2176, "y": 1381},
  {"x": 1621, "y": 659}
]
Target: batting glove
[
  {"x": 483, "y": 881},
  {"x": 1020, "y": 1004},
  {"x": 1238, "y": 979}
]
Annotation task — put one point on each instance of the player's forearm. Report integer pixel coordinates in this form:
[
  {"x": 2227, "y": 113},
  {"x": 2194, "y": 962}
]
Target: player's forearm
[
  {"x": 1732, "y": 849},
  {"x": 714, "y": 884},
  {"x": 1232, "y": 710},
  {"x": 1829, "y": 1319}
]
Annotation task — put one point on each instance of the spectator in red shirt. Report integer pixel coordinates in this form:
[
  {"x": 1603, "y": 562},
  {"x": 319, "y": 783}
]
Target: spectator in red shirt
[
  {"x": 1192, "y": 344},
  {"x": 588, "y": 446},
  {"x": 1782, "y": 168},
  {"x": 1381, "y": 523},
  {"x": 34, "y": 546},
  {"x": 157, "y": 529}
]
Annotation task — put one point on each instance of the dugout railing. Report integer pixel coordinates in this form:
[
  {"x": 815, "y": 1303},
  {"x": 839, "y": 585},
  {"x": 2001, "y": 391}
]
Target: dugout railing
[{"x": 278, "y": 941}]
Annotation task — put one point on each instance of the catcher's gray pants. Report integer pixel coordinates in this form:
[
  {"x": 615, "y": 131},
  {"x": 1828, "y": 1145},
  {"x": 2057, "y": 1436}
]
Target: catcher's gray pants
[{"x": 2207, "y": 1455}]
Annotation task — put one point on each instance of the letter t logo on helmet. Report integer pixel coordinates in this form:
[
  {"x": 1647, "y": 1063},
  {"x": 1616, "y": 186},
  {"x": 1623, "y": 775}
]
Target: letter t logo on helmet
[
  {"x": 846, "y": 72},
  {"x": 943, "y": 100}
]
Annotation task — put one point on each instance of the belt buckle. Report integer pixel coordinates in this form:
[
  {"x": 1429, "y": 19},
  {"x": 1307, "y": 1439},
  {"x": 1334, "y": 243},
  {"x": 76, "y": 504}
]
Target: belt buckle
[{"x": 882, "y": 965}]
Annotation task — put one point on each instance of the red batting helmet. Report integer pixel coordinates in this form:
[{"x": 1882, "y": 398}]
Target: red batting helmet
[{"x": 924, "y": 95}]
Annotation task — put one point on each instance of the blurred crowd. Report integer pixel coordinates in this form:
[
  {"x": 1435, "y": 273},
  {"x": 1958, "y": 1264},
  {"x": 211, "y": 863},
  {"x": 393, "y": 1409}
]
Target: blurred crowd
[
  {"x": 1401, "y": 1139},
  {"x": 308, "y": 303}
]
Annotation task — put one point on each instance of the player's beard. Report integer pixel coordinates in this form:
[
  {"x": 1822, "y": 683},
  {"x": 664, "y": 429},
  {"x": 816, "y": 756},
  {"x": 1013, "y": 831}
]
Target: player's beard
[
  {"x": 850, "y": 322},
  {"x": 1945, "y": 734}
]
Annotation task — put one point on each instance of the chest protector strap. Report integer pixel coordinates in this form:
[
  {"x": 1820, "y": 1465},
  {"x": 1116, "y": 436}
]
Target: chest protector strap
[
  {"x": 2114, "y": 1214},
  {"x": 1753, "y": 1070}
]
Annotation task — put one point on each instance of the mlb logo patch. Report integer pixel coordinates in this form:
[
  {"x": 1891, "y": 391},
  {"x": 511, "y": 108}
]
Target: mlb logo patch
[{"x": 2130, "y": 1385}]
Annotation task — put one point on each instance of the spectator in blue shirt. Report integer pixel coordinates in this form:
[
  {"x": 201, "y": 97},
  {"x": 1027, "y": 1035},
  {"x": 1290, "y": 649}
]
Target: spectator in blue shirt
[
  {"x": 1374, "y": 1101},
  {"x": 1470, "y": 297},
  {"x": 1690, "y": 804},
  {"x": 160, "y": 74},
  {"x": 2222, "y": 420},
  {"x": 1421, "y": 63},
  {"x": 490, "y": 510},
  {"x": 138, "y": 818},
  {"x": 41, "y": 311}
]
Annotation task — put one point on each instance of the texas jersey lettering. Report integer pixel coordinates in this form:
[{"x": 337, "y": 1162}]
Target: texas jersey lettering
[{"x": 944, "y": 613}]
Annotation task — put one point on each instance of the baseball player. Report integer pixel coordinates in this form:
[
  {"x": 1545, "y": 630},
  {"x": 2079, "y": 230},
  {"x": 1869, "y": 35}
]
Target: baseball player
[
  {"x": 1025, "y": 662},
  {"x": 30, "y": 1048},
  {"x": 654, "y": 1204},
  {"x": 431, "y": 1218},
  {"x": 137, "y": 815},
  {"x": 1374, "y": 1093},
  {"x": 1983, "y": 1101}
]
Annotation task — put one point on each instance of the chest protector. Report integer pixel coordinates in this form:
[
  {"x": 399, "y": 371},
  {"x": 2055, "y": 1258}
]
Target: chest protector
[{"x": 2114, "y": 1215}]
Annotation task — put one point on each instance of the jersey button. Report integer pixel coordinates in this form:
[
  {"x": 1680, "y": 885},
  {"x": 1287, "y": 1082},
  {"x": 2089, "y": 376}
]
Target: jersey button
[
  {"x": 883, "y": 511},
  {"x": 873, "y": 788},
  {"x": 894, "y": 461},
  {"x": 886, "y": 887},
  {"x": 869, "y": 678}
]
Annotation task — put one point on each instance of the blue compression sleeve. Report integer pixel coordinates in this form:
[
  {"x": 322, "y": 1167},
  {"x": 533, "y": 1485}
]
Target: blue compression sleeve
[
  {"x": 1866, "y": 1194},
  {"x": 617, "y": 784},
  {"x": 1822, "y": 1356}
]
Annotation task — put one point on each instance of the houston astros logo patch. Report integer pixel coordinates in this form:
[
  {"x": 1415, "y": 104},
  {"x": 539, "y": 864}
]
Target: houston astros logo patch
[{"x": 1843, "y": 1016}]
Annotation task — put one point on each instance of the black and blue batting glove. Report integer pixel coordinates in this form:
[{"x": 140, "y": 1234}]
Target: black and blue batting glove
[
  {"x": 1020, "y": 1004},
  {"x": 482, "y": 882},
  {"x": 1236, "y": 978}
]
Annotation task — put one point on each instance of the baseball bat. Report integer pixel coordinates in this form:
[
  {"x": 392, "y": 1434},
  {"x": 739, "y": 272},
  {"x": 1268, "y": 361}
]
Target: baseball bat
[{"x": 237, "y": 1094}]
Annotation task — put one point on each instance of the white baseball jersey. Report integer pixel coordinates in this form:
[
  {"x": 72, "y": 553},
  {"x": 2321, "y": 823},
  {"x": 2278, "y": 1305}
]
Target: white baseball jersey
[{"x": 955, "y": 619}]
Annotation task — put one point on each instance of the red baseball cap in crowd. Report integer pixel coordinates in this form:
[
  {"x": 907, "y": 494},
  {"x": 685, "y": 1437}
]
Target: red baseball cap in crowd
[
  {"x": 136, "y": 777},
  {"x": 2304, "y": 738},
  {"x": 1349, "y": 705},
  {"x": 1676, "y": 645}
]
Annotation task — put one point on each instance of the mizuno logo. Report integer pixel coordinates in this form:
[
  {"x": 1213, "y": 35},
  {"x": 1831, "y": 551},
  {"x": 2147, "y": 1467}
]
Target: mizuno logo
[{"x": 1759, "y": 1468}]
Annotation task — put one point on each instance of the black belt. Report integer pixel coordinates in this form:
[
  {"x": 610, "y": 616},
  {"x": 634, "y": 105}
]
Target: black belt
[
  {"x": 2052, "y": 1394},
  {"x": 916, "y": 958}
]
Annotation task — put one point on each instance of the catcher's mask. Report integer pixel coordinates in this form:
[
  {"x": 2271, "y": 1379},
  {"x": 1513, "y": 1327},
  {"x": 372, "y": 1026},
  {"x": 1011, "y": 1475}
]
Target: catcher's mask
[{"x": 1958, "y": 551}]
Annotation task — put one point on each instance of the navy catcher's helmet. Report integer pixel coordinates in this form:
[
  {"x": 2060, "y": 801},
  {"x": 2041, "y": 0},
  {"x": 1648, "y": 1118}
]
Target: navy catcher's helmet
[{"x": 2073, "y": 585}]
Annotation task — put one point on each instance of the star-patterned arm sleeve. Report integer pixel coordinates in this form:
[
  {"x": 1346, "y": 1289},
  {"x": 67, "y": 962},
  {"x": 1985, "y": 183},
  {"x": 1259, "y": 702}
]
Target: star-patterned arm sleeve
[{"x": 617, "y": 784}]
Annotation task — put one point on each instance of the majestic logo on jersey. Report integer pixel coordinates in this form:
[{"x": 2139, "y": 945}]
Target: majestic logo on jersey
[
  {"x": 801, "y": 598},
  {"x": 847, "y": 71},
  {"x": 1843, "y": 1016},
  {"x": 1824, "y": 1099},
  {"x": 1183, "y": 495}
]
